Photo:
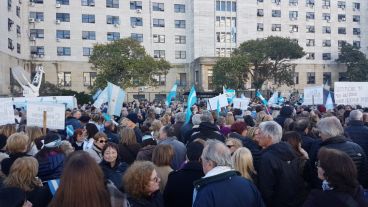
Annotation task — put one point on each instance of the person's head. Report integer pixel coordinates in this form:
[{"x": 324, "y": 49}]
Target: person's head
[
  {"x": 141, "y": 180},
  {"x": 163, "y": 155},
  {"x": 23, "y": 174},
  {"x": 356, "y": 115},
  {"x": 301, "y": 125},
  {"x": 243, "y": 162},
  {"x": 110, "y": 153},
  {"x": 196, "y": 119},
  {"x": 180, "y": 117},
  {"x": 8, "y": 129},
  {"x": 260, "y": 117},
  {"x": 100, "y": 139},
  {"x": 127, "y": 136},
  {"x": 233, "y": 144},
  {"x": 329, "y": 127},
  {"x": 90, "y": 130},
  {"x": 338, "y": 169},
  {"x": 294, "y": 139},
  {"x": 251, "y": 132},
  {"x": 221, "y": 121},
  {"x": 33, "y": 133},
  {"x": 194, "y": 151},
  {"x": 239, "y": 127},
  {"x": 230, "y": 118},
  {"x": 166, "y": 131},
  {"x": 84, "y": 178},
  {"x": 78, "y": 135},
  {"x": 77, "y": 114},
  {"x": 248, "y": 119},
  {"x": 207, "y": 117},
  {"x": 270, "y": 132},
  {"x": 214, "y": 154},
  {"x": 17, "y": 143},
  {"x": 66, "y": 147},
  {"x": 156, "y": 126}
]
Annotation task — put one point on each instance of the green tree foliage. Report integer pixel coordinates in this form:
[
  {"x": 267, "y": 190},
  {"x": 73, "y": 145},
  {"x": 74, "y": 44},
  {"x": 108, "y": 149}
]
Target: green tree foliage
[
  {"x": 356, "y": 63},
  {"x": 267, "y": 59},
  {"x": 125, "y": 63},
  {"x": 231, "y": 72},
  {"x": 49, "y": 89}
]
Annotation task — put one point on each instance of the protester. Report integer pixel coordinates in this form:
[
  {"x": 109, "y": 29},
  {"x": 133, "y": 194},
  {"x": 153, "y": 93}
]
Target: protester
[
  {"x": 233, "y": 144},
  {"x": 221, "y": 121},
  {"x": 73, "y": 119},
  {"x": 99, "y": 141},
  {"x": 243, "y": 162},
  {"x": 148, "y": 145},
  {"x": 179, "y": 123},
  {"x": 89, "y": 132},
  {"x": 356, "y": 130},
  {"x": 77, "y": 140},
  {"x": 155, "y": 128},
  {"x": 8, "y": 129},
  {"x": 128, "y": 146},
  {"x": 16, "y": 146},
  {"x": 3, "y": 153},
  {"x": 34, "y": 134},
  {"x": 111, "y": 132},
  {"x": 207, "y": 129},
  {"x": 294, "y": 139},
  {"x": 301, "y": 126}
]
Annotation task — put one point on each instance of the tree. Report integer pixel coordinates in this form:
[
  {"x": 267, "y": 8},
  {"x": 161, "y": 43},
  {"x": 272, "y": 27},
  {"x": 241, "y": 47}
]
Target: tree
[
  {"x": 49, "y": 89},
  {"x": 356, "y": 62},
  {"x": 270, "y": 59},
  {"x": 125, "y": 63},
  {"x": 231, "y": 72}
]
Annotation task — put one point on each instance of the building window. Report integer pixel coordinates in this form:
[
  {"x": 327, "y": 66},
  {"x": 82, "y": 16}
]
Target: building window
[
  {"x": 37, "y": 1},
  {"x": 180, "y": 39},
  {"x": 310, "y": 29},
  {"x": 224, "y": 37},
  {"x": 17, "y": 11},
  {"x": 158, "y": 23},
  {"x": 326, "y": 16},
  {"x": 88, "y": 18},
  {"x": 88, "y": 35},
  {"x": 112, "y": 3},
  {"x": 296, "y": 78},
  {"x": 327, "y": 78},
  {"x": 10, "y": 24},
  {"x": 18, "y": 48},
  {"x": 294, "y": 28},
  {"x": 293, "y": 15},
  {"x": 179, "y": 23},
  {"x": 326, "y": 30},
  {"x": 87, "y": 51},
  {"x": 326, "y": 4},
  {"x": 259, "y": 26},
  {"x": 210, "y": 79},
  {"x": 356, "y": 31},
  {"x": 158, "y": 6},
  {"x": 158, "y": 38},
  {"x": 341, "y": 5},
  {"x": 89, "y": 78},
  {"x": 137, "y": 37},
  {"x": 356, "y": 18},
  {"x": 276, "y": 27},
  {"x": 293, "y": 2},
  {"x": 134, "y": 5},
  {"x": 309, "y": 15},
  {"x": 341, "y": 17},
  {"x": 37, "y": 50},
  {"x": 88, "y": 2},
  {"x": 10, "y": 44},
  {"x": 226, "y": 6},
  {"x": 326, "y": 56},
  {"x": 160, "y": 79},
  {"x": 356, "y": 44},
  {"x": 311, "y": 78},
  {"x": 63, "y": 51},
  {"x": 63, "y": 2},
  {"x": 180, "y": 55},
  {"x": 18, "y": 31},
  {"x": 136, "y": 21},
  {"x": 182, "y": 79},
  {"x": 356, "y": 6},
  {"x": 112, "y": 19},
  {"x": 63, "y": 17},
  {"x": 341, "y": 30},
  {"x": 179, "y": 8},
  {"x": 159, "y": 53},
  {"x": 36, "y": 33},
  {"x": 276, "y": 13},
  {"x": 111, "y": 36},
  {"x": 65, "y": 79},
  {"x": 310, "y": 3},
  {"x": 260, "y": 13},
  {"x": 310, "y": 43},
  {"x": 63, "y": 34},
  {"x": 310, "y": 56},
  {"x": 326, "y": 43},
  {"x": 38, "y": 16},
  {"x": 341, "y": 43}
]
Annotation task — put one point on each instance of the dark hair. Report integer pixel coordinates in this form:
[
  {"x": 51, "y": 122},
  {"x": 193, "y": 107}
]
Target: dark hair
[
  {"x": 91, "y": 130},
  {"x": 111, "y": 145},
  {"x": 194, "y": 151},
  {"x": 301, "y": 124},
  {"x": 339, "y": 170},
  {"x": 294, "y": 139},
  {"x": 288, "y": 124},
  {"x": 238, "y": 127},
  {"x": 169, "y": 130},
  {"x": 163, "y": 155},
  {"x": 149, "y": 141},
  {"x": 248, "y": 119},
  {"x": 76, "y": 133}
]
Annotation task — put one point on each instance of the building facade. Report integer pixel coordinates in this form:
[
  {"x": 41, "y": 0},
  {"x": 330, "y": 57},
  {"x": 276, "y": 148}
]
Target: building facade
[{"x": 191, "y": 35}]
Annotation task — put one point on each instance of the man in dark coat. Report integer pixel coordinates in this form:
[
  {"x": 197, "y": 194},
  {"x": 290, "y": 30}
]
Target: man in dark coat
[
  {"x": 182, "y": 196},
  {"x": 357, "y": 131},
  {"x": 285, "y": 112},
  {"x": 207, "y": 129},
  {"x": 179, "y": 122},
  {"x": 222, "y": 186},
  {"x": 279, "y": 174},
  {"x": 301, "y": 126}
]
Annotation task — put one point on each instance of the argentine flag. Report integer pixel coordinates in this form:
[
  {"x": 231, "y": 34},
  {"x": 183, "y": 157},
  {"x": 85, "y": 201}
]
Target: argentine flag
[
  {"x": 171, "y": 95},
  {"x": 329, "y": 102},
  {"x": 116, "y": 98},
  {"x": 274, "y": 99},
  {"x": 98, "y": 92},
  {"x": 230, "y": 94},
  {"x": 192, "y": 99},
  {"x": 259, "y": 95},
  {"x": 102, "y": 98}
]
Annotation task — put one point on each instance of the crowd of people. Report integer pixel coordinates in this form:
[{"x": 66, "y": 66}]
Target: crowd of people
[{"x": 150, "y": 156}]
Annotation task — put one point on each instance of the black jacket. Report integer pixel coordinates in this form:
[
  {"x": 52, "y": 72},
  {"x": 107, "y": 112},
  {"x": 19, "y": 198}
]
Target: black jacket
[
  {"x": 358, "y": 133},
  {"x": 7, "y": 162},
  {"x": 280, "y": 177},
  {"x": 354, "y": 151},
  {"x": 186, "y": 132},
  {"x": 113, "y": 137},
  {"x": 155, "y": 200},
  {"x": 128, "y": 153},
  {"x": 179, "y": 187},
  {"x": 307, "y": 142},
  {"x": 177, "y": 131},
  {"x": 40, "y": 196},
  {"x": 50, "y": 166},
  {"x": 206, "y": 131},
  {"x": 115, "y": 174}
]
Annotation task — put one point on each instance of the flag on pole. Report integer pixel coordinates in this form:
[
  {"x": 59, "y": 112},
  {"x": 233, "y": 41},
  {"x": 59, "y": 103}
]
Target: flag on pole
[
  {"x": 259, "y": 95},
  {"x": 116, "y": 98},
  {"x": 218, "y": 108},
  {"x": 274, "y": 99},
  {"x": 329, "y": 102},
  {"x": 192, "y": 99},
  {"x": 171, "y": 95},
  {"x": 101, "y": 99},
  {"x": 98, "y": 92},
  {"x": 230, "y": 94}
]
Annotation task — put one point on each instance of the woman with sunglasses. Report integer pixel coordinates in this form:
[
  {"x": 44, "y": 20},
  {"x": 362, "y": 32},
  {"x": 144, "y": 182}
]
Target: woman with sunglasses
[
  {"x": 99, "y": 141},
  {"x": 142, "y": 185}
]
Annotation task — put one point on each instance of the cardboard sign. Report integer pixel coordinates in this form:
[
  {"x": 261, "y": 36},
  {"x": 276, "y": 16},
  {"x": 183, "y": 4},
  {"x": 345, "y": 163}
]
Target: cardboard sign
[
  {"x": 55, "y": 115},
  {"x": 351, "y": 93},
  {"x": 313, "y": 95},
  {"x": 7, "y": 113},
  {"x": 241, "y": 103}
]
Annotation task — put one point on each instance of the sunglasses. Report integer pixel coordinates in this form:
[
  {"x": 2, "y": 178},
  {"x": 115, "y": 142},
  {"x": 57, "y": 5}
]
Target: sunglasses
[{"x": 102, "y": 141}]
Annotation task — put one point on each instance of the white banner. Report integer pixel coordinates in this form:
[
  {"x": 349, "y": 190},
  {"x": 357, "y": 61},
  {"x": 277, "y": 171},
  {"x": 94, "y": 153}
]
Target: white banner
[
  {"x": 313, "y": 95},
  {"x": 6, "y": 113},
  {"x": 351, "y": 93},
  {"x": 223, "y": 100},
  {"x": 241, "y": 103},
  {"x": 213, "y": 103},
  {"x": 55, "y": 115}
]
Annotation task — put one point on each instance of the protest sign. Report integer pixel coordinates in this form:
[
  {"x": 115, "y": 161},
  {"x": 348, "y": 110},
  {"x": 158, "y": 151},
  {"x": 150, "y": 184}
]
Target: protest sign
[
  {"x": 352, "y": 93},
  {"x": 241, "y": 103},
  {"x": 55, "y": 115},
  {"x": 7, "y": 113},
  {"x": 223, "y": 100},
  {"x": 313, "y": 95},
  {"x": 213, "y": 102}
]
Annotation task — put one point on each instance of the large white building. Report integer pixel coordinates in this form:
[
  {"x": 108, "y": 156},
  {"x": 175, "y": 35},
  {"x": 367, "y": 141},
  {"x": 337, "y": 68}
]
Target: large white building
[{"x": 190, "y": 34}]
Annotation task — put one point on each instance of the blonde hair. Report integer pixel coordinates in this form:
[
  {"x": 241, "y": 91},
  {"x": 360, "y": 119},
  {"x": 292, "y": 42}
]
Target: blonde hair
[
  {"x": 23, "y": 174},
  {"x": 243, "y": 162},
  {"x": 229, "y": 120},
  {"x": 8, "y": 130},
  {"x": 33, "y": 133},
  {"x": 236, "y": 142},
  {"x": 127, "y": 136},
  {"x": 166, "y": 119},
  {"x": 156, "y": 125},
  {"x": 99, "y": 135},
  {"x": 17, "y": 142}
]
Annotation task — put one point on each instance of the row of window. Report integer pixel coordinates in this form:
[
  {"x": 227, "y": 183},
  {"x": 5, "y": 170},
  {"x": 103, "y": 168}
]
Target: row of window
[
  {"x": 11, "y": 45},
  {"x": 65, "y": 78},
  {"x": 326, "y": 4},
  {"x": 311, "y": 77},
  {"x": 229, "y": 6},
  {"x": 309, "y": 29}
]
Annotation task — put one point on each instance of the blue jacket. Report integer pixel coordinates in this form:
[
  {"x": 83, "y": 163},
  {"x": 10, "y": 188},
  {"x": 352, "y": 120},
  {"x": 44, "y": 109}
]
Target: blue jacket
[
  {"x": 115, "y": 174},
  {"x": 358, "y": 133},
  {"x": 226, "y": 189},
  {"x": 51, "y": 166}
]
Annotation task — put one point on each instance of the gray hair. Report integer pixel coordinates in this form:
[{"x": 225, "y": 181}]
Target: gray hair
[
  {"x": 207, "y": 117},
  {"x": 180, "y": 117},
  {"x": 356, "y": 115},
  {"x": 330, "y": 126},
  {"x": 220, "y": 120},
  {"x": 217, "y": 152},
  {"x": 196, "y": 119},
  {"x": 271, "y": 129}
]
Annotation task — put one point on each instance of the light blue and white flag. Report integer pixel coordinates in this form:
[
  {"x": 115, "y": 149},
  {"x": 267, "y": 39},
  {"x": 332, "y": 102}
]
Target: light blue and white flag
[
  {"x": 171, "y": 95},
  {"x": 102, "y": 98},
  {"x": 218, "y": 108},
  {"x": 192, "y": 99},
  {"x": 53, "y": 185},
  {"x": 230, "y": 94},
  {"x": 329, "y": 102},
  {"x": 259, "y": 95},
  {"x": 98, "y": 92},
  {"x": 116, "y": 98},
  {"x": 274, "y": 99},
  {"x": 242, "y": 96}
]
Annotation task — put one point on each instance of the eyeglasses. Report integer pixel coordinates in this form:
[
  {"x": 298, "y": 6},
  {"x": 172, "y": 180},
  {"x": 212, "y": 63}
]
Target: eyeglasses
[{"x": 102, "y": 141}]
